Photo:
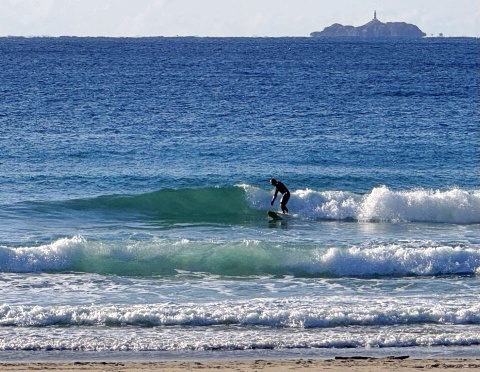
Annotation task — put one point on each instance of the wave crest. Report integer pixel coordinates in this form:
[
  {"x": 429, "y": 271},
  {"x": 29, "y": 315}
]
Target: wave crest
[
  {"x": 242, "y": 258},
  {"x": 246, "y": 203},
  {"x": 302, "y": 313},
  {"x": 451, "y": 206},
  {"x": 454, "y": 206}
]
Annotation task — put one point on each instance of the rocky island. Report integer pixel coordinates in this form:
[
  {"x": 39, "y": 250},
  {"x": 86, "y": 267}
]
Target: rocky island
[{"x": 373, "y": 29}]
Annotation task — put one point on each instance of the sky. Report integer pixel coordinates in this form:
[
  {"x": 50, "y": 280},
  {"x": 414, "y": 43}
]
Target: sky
[{"x": 228, "y": 18}]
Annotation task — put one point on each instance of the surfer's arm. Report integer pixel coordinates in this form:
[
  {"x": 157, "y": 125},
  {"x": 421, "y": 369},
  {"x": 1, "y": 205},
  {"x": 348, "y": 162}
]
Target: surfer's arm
[{"x": 274, "y": 197}]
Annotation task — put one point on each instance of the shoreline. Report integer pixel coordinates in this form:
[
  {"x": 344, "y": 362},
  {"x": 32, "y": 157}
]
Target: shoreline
[
  {"x": 70, "y": 356},
  {"x": 361, "y": 364},
  {"x": 332, "y": 360}
]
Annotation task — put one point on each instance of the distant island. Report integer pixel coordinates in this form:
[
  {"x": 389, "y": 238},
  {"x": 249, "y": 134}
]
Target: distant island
[{"x": 373, "y": 29}]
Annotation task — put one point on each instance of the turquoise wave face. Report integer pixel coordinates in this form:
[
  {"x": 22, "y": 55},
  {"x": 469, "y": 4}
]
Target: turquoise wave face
[
  {"x": 158, "y": 257},
  {"x": 248, "y": 204},
  {"x": 220, "y": 205}
]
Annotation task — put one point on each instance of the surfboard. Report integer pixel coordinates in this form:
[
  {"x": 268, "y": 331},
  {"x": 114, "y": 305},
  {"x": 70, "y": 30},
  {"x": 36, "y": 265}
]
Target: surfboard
[{"x": 274, "y": 215}]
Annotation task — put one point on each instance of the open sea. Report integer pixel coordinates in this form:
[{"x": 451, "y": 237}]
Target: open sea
[{"x": 134, "y": 190}]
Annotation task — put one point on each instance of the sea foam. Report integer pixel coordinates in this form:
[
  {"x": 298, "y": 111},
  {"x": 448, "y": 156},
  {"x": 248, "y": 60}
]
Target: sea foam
[
  {"x": 451, "y": 206},
  {"x": 235, "y": 338},
  {"x": 454, "y": 206},
  {"x": 303, "y": 313},
  {"x": 56, "y": 256},
  {"x": 250, "y": 257}
]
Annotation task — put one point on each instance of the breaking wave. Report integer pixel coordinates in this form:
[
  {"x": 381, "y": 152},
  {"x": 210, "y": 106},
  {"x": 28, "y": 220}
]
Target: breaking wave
[
  {"x": 382, "y": 204},
  {"x": 242, "y": 258},
  {"x": 245, "y": 203},
  {"x": 302, "y": 313}
]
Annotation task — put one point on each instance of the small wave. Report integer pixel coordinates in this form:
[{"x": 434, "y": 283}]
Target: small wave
[
  {"x": 241, "y": 258},
  {"x": 131, "y": 339},
  {"x": 454, "y": 206},
  {"x": 287, "y": 313},
  {"x": 57, "y": 256},
  {"x": 419, "y": 259},
  {"x": 451, "y": 206},
  {"x": 211, "y": 204},
  {"x": 245, "y": 204}
]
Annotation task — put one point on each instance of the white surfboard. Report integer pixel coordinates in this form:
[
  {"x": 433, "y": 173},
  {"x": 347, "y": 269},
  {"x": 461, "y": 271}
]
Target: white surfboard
[{"x": 275, "y": 215}]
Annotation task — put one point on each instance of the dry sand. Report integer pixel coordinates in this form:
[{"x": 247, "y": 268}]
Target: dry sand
[{"x": 332, "y": 365}]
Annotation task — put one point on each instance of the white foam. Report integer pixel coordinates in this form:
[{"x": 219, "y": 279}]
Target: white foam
[
  {"x": 254, "y": 257},
  {"x": 55, "y": 256},
  {"x": 301, "y": 313},
  {"x": 381, "y": 204},
  {"x": 234, "y": 338},
  {"x": 335, "y": 205},
  {"x": 415, "y": 258},
  {"x": 451, "y": 206}
]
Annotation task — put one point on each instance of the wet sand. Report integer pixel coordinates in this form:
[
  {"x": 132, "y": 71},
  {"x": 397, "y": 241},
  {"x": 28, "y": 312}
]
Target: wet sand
[{"x": 361, "y": 364}]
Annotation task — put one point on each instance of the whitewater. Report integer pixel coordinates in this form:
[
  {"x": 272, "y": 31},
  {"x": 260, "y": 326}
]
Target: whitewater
[
  {"x": 245, "y": 206},
  {"x": 134, "y": 198}
]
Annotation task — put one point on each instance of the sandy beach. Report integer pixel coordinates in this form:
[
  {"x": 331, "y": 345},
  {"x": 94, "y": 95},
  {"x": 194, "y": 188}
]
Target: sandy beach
[{"x": 338, "y": 364}]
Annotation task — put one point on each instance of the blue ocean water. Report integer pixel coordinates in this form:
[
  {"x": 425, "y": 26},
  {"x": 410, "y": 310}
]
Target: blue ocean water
[{"x": 134, "y": 193}]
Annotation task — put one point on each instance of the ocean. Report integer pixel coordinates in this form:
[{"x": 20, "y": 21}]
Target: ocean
[{"x": 134, "y": 193}]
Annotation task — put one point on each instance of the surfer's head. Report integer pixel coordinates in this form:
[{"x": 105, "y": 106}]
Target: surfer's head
[{"x": 273, "y": 181}]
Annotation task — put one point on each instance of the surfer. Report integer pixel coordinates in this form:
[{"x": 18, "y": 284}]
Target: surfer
[{"x": 280, "y": 187}]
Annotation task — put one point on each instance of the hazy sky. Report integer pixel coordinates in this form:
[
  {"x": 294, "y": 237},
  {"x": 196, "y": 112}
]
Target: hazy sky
[{"x": 228, "y": 17}]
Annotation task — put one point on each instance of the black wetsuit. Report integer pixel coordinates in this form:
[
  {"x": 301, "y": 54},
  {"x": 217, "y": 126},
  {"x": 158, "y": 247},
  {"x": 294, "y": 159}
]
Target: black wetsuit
[{"x": 282, "y": 189}]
